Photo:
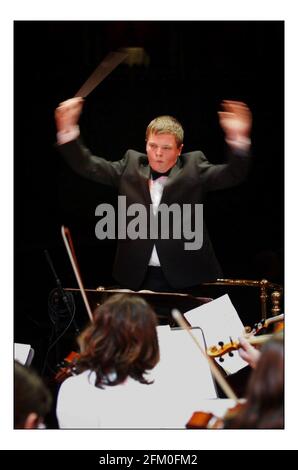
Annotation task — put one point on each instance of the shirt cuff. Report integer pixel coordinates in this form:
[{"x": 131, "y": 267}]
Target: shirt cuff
[
  {"x": 63, "y": 137},
  {"x": 242, "y": 143}
]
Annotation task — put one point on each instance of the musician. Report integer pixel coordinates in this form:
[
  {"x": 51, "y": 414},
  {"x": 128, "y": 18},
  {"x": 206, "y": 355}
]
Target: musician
[
  {"x": 163, "y": 175},
  {"x": 264, "y": 407},
  {"x": 32, "y": 400},
  {"x": 110, "y": 388}
]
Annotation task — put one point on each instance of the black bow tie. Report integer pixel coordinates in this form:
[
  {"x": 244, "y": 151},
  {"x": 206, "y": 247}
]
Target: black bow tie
[{"x": 156, "y": 174}]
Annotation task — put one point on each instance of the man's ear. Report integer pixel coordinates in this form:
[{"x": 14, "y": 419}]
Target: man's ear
[
  {"x": 32, "y": 421},
  {"x": 180, "y": 149}
]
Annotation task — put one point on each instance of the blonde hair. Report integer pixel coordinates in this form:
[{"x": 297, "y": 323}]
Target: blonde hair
[{"x": 166, "y": 125}]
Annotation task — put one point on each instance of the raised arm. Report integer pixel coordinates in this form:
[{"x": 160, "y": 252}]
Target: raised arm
[
  {"x": 67, "y": 116},
  {"x": 236, "y": 121},
  {"x": 79, "y": 158}
]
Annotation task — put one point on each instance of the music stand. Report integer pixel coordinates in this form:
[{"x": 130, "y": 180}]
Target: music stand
[
  {"x": 161, "y": 302},
  {"x": 23, "y": 353}
]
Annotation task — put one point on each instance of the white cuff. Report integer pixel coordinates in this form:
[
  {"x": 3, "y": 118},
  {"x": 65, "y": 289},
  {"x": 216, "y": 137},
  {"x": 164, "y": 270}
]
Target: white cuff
[
  {"x": 241, "y": 143},
  {"x": 63, "y": 137}
]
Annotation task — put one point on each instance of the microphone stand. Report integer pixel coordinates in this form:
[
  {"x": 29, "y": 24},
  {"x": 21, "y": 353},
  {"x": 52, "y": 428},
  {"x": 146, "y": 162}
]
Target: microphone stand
[{"x": 62, "y": 292}]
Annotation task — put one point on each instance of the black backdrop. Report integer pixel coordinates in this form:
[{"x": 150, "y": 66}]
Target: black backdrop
[{"x": 193, "y": 66}]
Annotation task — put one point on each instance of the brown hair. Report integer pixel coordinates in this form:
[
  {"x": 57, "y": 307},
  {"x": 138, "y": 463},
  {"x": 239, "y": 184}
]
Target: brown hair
[
  {"x": 30, "y": 395},
  {"x": 166, "y": 125},
  {"x": 121, "y": 340},
  {"x": 264, "y": 408}
]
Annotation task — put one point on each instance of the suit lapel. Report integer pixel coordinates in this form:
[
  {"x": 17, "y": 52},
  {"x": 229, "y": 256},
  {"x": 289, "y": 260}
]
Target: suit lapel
[
  {"x": 171, "y": 179},
  {"x": 144, "y": 173}
]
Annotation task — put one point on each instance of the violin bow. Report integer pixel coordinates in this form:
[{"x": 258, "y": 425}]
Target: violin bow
[
  {"x": 215, "y": 372},
  {"x": 70, "y": 250}
]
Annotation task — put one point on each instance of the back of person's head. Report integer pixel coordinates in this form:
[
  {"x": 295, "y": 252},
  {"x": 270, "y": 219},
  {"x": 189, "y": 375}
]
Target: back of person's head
[
  {"x": 166, "y": 125},
  {"x": 121, "y": 342},
  {"x": 264, "y": 408},
  {"x": 32, "y": 400}
]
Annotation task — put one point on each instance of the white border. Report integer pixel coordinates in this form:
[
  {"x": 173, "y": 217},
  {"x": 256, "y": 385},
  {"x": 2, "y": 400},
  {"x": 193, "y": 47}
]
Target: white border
[{"x": 155, "y": 10}]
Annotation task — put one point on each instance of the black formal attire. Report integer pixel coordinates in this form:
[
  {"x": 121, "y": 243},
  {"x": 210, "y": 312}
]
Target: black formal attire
[{"x": 188, "y": 180}]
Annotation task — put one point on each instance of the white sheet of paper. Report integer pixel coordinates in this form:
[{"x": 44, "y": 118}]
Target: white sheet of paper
[
  {"x": 219, "y": 321},
  {"x": 21, "y": 352},
  {"x": 182, "y": 363},
  {"x": 182, "y": 379}
]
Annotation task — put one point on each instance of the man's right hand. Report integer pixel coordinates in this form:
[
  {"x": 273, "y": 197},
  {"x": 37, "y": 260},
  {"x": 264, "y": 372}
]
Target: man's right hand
[{"x": 68, "y": 113}]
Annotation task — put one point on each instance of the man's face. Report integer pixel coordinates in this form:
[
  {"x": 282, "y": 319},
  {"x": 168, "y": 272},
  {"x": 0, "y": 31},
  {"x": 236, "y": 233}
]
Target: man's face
[{"x": 162, "y": 151}]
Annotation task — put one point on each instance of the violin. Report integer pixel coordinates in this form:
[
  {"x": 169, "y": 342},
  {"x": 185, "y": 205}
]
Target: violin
[
  {"x": 200, "y": 420},
  {"x": 250, "y": 336},
  {"x": 279, "y": 325},
  {"x": 67, "y": 368},
  {"x": 277, "y": 321},
  {"x": 221, "y": 349},
  {"x": 204, "y": 420}
]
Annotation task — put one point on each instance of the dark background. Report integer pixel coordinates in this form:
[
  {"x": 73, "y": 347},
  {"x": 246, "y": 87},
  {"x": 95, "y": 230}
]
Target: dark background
[{"x": 193, "y": 67}]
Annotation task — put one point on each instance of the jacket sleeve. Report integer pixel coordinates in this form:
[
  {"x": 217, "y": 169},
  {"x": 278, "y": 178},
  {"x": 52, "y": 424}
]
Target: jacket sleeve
[
  {"x": 214, "y": 177},
  {"x": 91, "y": 167}
]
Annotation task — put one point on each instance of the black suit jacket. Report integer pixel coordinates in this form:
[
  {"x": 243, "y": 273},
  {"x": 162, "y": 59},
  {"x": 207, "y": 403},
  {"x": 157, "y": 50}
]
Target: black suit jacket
[{"x": 188, "y": 180}]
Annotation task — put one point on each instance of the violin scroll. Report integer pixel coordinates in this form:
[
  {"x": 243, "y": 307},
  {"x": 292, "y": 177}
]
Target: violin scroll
[{"x": 221, "y": 349}]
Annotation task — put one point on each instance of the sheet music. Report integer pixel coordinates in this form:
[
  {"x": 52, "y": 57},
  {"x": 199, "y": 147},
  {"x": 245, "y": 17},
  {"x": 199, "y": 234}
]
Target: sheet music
[
  {"x": 219, "y": 321},
  {"x": 182, "y": 362},
  {"x": 182, "y": 379}
]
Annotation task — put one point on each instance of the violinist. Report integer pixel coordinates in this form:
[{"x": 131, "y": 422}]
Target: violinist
[
  {"x": 117, "y": 350},
  {"x": 264, "y": 406}
]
